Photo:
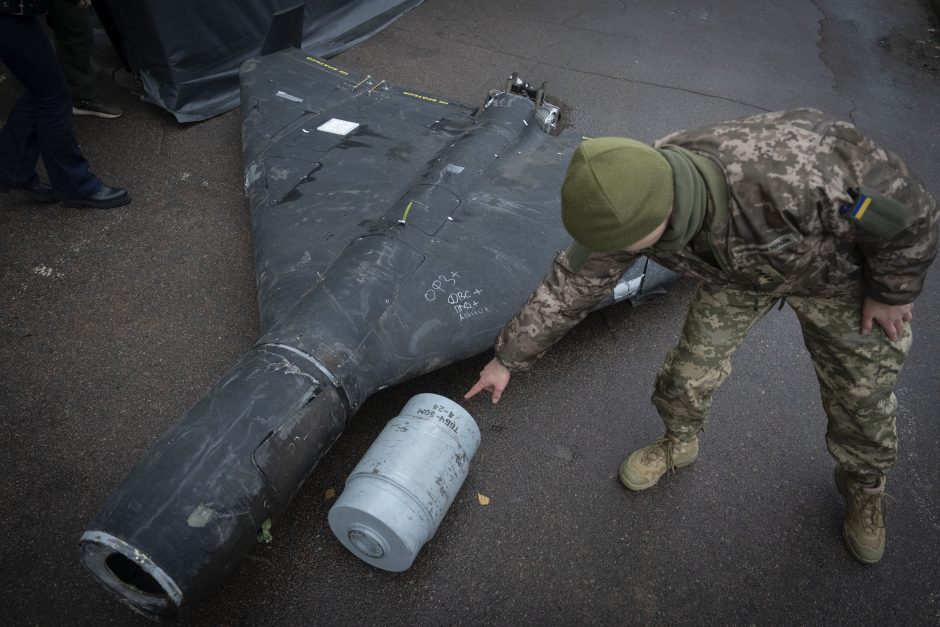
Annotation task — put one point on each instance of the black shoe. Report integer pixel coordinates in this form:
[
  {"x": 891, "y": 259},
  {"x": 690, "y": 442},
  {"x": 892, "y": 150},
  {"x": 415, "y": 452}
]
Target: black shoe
[
  {"x": 97, "y": 109},
  {"x": 102, "y": 199},
  {"x": 37, "y": 192}
]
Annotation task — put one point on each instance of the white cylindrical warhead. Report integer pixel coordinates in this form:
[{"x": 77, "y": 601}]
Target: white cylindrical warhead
[{"x": 398, "y": 493}]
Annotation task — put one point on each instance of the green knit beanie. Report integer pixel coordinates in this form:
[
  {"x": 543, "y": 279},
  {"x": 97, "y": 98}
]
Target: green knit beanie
[{"x": 616, "y": 192}]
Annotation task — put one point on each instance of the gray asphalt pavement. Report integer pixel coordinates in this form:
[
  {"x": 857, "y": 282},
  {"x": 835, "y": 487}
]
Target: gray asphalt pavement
[{"x": 114, "y": 322}]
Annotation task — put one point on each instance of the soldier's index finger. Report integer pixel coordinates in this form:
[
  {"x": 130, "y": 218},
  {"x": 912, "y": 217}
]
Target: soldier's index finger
[{"x": 474, "y": 390}]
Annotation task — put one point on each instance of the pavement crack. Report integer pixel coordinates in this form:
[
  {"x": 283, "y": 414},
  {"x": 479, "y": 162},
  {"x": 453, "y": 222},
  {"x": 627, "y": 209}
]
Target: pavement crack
[
  {"x": 852, "y": 112},
  {"x": 662, "y": 86},
  {"x": 571, "y": 19},
  {"x": 823, "y": 22},
  {"x": 539, "y": 62},
  {"x": 159, "y": 147}
]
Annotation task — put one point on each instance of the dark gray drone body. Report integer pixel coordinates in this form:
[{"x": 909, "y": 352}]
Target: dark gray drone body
[{"x": 394, "y": 233}]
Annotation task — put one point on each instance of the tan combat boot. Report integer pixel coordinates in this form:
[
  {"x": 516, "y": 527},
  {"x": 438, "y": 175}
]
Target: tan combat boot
[
  {"x": 644, "y": 467},
  {"x": 864, "y": 526}
]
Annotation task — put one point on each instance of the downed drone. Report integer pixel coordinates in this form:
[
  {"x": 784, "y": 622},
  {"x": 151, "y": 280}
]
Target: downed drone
[{"x": 394, "y": 233}]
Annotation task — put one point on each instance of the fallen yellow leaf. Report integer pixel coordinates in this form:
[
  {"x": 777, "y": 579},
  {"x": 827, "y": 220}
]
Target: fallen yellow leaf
[
  {"x": 484, "y": 500},
  {"x": 329, "y": 494}
]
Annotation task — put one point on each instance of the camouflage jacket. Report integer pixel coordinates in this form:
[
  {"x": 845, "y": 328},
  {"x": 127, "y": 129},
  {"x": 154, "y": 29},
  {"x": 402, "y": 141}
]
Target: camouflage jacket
[{"x": 785, "y": 229}]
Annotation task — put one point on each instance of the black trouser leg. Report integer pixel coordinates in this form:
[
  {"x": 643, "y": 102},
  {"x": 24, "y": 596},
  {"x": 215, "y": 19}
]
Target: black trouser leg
[{"x": 41, "y": 120}]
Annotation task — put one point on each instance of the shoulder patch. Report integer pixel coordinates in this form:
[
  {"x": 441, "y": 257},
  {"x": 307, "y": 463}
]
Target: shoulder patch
[{"x": 876, "y": 213}]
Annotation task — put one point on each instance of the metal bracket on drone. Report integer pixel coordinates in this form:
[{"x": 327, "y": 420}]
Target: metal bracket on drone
[{"x": 546, "y": 113}]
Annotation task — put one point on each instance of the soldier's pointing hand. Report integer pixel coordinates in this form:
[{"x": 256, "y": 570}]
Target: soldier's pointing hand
[{"x": 494, "y": 378}]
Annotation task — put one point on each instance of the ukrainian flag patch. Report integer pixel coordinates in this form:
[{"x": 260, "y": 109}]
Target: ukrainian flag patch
[
  {"x": 861, "y": 206},
  {"x": 877, "y": 213}
]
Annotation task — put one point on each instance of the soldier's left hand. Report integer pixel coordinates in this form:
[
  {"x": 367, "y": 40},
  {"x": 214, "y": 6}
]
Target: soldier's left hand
[{"x": 891, "y": 318}]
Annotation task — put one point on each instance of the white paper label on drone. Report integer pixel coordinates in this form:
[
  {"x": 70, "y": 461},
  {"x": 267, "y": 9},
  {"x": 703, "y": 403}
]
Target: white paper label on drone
[
  {"x": 338, "y": 127},
  {"x": 287, "y": 96}
]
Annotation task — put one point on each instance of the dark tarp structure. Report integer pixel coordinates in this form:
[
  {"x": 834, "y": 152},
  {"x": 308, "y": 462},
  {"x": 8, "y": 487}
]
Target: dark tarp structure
[{"x": 188, "y": 53}]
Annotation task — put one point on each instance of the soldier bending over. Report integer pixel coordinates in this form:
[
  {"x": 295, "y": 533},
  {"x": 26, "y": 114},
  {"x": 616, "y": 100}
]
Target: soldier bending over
[{"x": 791, "y": 205}]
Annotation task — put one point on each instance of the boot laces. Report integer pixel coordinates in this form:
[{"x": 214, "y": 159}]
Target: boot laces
[
  {"x": 871, "y": 509},
  {"x": 661, "y": 448}
]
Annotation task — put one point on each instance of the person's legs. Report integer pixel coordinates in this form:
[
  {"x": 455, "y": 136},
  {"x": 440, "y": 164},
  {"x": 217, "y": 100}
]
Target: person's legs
[
  {"x": 106, "y": 17},
  {"x": 74, "y": 42},
  {"x": 19, "y": 146},
  {"x": 41, "y": 119},
  {"x": 717, "y": 322},
  {"x": 857, "y": 375}
]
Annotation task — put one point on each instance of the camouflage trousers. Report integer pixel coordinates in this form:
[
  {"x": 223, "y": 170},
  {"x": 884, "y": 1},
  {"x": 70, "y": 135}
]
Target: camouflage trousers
[{"x": 856, "y": 373}]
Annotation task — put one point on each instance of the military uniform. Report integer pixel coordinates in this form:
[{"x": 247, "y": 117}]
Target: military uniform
[{"x": 791, "y": 223}]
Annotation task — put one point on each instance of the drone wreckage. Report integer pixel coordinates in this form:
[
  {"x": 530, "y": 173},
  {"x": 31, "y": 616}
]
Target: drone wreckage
[{"x": 394, "y": 233}]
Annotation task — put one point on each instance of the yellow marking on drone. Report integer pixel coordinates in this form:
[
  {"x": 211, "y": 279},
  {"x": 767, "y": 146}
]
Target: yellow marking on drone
[
  {"x": 407, "y": 209},
  {"x": 427, "y": 98},
  {"x": 328, "y": 66}
]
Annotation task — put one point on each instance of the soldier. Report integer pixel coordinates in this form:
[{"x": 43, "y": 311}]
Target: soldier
[{"x": 791, "y": 207}]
